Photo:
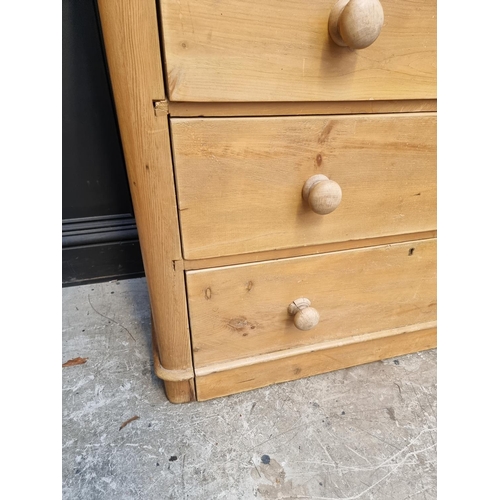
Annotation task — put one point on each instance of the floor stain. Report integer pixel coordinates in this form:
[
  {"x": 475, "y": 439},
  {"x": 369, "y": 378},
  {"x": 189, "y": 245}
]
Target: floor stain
[{"x": 276, "y": 485}]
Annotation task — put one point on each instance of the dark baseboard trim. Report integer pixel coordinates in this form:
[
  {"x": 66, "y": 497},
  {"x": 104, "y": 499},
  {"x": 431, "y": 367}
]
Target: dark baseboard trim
[
  {"x": 97, "y": 249},
  {"x": 103, "y": 229}
]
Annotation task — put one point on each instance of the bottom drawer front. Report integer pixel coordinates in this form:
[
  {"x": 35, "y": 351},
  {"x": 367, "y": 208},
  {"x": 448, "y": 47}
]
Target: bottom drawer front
[{"x": 242, "y": 311}]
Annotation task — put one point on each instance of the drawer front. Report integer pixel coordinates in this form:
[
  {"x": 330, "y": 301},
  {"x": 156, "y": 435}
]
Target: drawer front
[
  {"x": 240, "y": 180},
  {"x": 242, "y": 311},
  {"x": 276, "y": 50}
]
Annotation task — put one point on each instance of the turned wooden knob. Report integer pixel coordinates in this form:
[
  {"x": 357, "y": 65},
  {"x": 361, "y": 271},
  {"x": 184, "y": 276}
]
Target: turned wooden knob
[
  {"x": 305, "y": 317},
  {"x": 355, "y": 23},
  {"x": 322, "y": 194}
]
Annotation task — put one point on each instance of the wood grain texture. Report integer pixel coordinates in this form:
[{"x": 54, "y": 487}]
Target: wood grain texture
[
  {"x": 160, "y": 371},
  {"x": 241, "y": 311},
  {"x": 322, "y": 346},
  {"x": 281, "y": 369},
  {"x": 133, "y": 53},
  {"x": 240, "y": 180},
  {"x": 232, "y": 260},
  {"x": 271, "y": 50},
  {"x": 201, "y": 109}
]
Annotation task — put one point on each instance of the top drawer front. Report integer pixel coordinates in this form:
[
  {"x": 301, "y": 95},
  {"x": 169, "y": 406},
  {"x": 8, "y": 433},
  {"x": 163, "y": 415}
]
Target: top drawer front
[{"x": 276, "y": 50}]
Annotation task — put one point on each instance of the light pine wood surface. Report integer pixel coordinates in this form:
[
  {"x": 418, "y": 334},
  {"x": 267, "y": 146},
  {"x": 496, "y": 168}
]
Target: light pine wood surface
[
  {"x": 272, "y": 50},
  {"x": 190, "y": 265},
  {"x": 239, "y": 183},
  {"x": 201, "y": 109},
  {"x": 133, "y": 53},
  {"x": 262, "y": 371},
  {"x": 242, "y": 311},
  {"x": 240, "y": 180}
]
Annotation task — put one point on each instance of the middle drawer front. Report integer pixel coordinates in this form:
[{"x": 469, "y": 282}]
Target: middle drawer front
[
  {"x": 240, "y": 180},
  {"x": 241, "y": 311}
]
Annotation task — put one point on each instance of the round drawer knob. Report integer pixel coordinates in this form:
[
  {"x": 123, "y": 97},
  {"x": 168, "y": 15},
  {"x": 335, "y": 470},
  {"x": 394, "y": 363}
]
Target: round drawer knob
[
  {"x": 355, "y": 23},
  {"x": 305, "y": 317},
  {"x": 322, "y": 194}
]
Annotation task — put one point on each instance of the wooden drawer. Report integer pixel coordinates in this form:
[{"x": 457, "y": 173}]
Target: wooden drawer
[
  {"x": 276, "y": 50},
  {"x": 241, "y": 312},
  {"x": 240, "y": 180},
  {"x": 228, "y": 238}
]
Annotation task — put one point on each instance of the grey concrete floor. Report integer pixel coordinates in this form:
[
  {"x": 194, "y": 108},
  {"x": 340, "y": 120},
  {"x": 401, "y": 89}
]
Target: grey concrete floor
[{"x": 367, "y": 432}]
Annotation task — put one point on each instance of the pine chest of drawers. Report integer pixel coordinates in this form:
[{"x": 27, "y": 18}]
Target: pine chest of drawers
[{"x": 281, "y": 156}]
